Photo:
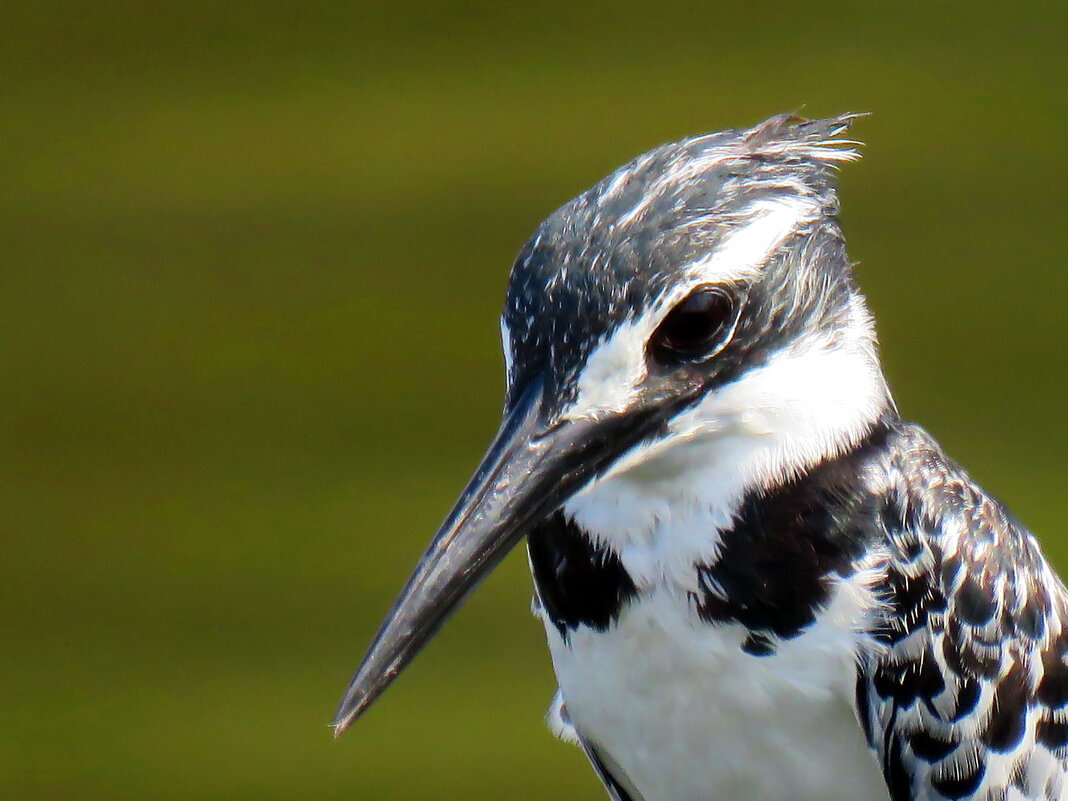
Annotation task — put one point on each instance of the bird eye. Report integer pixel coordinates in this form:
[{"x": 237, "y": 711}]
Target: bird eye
[{"x": 696, "y": 327}]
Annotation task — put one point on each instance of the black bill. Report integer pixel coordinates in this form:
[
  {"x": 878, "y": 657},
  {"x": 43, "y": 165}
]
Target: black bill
[{"x": 529, "y": 471}]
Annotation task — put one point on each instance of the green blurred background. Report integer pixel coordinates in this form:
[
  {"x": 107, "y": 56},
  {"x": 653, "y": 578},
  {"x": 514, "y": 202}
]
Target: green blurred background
[{"x": 252, "y": 259}]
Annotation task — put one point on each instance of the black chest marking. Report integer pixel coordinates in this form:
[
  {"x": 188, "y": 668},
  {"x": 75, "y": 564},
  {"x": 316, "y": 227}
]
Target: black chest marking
[
  {"x": 778, "y": 564},
  {"x": 578, "y": 583}
]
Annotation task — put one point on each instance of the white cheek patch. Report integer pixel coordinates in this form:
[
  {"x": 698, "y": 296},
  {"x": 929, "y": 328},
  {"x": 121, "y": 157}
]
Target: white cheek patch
[
  {"x": 806, "y": 403},
  {"x": 663, "y": 505},
  {"x": 616, "y": 368}
]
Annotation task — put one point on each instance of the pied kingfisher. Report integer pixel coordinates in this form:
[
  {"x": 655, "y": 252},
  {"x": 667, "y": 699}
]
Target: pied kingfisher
[{"x": 757, "y": 581}]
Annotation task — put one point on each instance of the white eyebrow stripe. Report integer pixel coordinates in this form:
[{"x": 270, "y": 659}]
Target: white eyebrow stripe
[
  {"x": 616, "y": 367},
  {"x": 746, "y": 249}
]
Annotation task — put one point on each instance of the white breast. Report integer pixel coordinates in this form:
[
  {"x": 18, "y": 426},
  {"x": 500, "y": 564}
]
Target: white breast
[{"x": 678, "y": 707}]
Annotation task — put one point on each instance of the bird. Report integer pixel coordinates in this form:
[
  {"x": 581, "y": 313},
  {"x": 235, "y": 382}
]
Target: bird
[{"x": 757, "y": 579}]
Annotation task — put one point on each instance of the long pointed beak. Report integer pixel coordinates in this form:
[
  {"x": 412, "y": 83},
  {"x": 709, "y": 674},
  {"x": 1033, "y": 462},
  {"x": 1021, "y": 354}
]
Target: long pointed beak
[{"x": 529, "y": 470}]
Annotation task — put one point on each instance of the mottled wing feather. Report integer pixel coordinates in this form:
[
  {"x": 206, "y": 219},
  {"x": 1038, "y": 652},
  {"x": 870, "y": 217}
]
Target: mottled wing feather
[{"x": 964, "y": 694}]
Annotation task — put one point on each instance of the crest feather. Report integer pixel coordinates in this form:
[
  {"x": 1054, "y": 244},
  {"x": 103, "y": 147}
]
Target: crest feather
[{"x": 790, "y": 134}]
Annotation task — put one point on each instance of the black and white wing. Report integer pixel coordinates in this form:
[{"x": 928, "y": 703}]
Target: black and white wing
[{"x": 965, "y": 693}]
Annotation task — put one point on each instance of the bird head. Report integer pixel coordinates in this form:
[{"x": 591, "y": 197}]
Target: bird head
[{"x": 693, "y": 309}]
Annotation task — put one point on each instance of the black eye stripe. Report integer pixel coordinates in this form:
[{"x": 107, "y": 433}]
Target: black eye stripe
[{"x": 696, "y": 327}]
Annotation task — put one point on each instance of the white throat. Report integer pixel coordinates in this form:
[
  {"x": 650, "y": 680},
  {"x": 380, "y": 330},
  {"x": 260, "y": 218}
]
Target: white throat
[{"x": 664, "y": 504}]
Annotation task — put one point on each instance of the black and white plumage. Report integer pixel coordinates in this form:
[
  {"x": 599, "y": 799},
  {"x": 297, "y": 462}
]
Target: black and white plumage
[
  {"x": 757, "y": 581},
  {"x": 966, "y": 695}
]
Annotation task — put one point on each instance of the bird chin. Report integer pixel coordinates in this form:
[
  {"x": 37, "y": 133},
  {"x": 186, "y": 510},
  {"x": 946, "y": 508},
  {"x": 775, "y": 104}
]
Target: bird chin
[{"x": 665, "y": 461}]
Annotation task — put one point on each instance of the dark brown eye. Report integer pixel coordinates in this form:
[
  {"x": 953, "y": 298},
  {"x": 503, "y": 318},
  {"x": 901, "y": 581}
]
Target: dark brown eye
[{"x": 696, "y": 327}]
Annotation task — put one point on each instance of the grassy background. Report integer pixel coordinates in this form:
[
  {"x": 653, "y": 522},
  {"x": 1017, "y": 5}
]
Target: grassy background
[{"x": 251, "y": 258}]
